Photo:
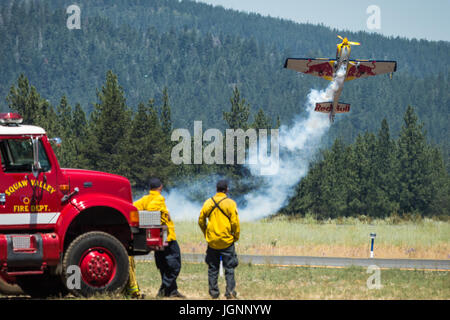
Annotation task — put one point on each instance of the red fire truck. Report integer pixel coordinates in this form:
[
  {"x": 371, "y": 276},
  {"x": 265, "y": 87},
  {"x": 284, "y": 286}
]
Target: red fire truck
[{"x": 53, "y": 220}]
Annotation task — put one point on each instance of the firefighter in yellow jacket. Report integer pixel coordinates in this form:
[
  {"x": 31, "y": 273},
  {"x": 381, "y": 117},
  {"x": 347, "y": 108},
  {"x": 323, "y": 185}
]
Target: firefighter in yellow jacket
[
  {"x": 168, "y": 261},
  {"x": 219, "y": 222}
]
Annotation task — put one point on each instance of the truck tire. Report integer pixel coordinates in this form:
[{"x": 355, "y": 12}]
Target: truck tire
[
  {"x": 102, "y": 262},
  {"x": 9, "y": 288}
]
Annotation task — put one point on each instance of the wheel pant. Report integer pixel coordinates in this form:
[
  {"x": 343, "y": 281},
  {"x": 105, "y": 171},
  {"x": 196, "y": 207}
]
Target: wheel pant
[
  {"x": 132, "y": 287},
  {"x": 230, "y": 262},
  {"x": 168, "y": 261}
]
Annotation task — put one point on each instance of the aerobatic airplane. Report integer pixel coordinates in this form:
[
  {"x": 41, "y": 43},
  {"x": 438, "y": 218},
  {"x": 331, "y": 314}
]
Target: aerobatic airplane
[{"x": 341, "y": 68}]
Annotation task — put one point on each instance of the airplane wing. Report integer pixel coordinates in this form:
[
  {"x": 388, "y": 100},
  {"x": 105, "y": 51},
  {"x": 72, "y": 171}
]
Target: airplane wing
[
  {"x": 365, "y": 68},
  {"x": 317, "y": 67}
]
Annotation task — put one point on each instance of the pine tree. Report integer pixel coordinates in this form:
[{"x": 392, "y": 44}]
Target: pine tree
[
  {"x": 142, "y": 146},
  {"x": 414, "y": 172},
  {"x": 262, "y": 121},
  {"x": 139, "y": 146},
  {"x": 64, "y": 117},
  {"x": 79, "y": 122},
  {"x": 25, "y": 100},
  {"x": 440, "y": 184},
  {"x": 334, "y": 184},
  {"x": 79, "y": 138},
  {"x": 19, "y": 100},
  {"x": 237, "y": 117},
  {"x": 34, "y": 109},
  {"x": 365, "y": 187},
  {"x": 66, "y": 153},
  {"x": 386, "y": 173},
  {"x": 109, "y": 128}
]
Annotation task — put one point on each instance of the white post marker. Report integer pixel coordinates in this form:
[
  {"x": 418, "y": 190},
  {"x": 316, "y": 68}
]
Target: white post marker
[
  {"x": 372, "y": 237},
  {"x": 221, "y": 267}
]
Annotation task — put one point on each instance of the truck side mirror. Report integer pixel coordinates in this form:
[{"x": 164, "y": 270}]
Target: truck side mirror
[
  {"x": 36, "y": 167},
  {"x": 57, "y": 141}
]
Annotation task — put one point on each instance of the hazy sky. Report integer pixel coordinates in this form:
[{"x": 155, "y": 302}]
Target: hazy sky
[{"x": 421, "y": 19}]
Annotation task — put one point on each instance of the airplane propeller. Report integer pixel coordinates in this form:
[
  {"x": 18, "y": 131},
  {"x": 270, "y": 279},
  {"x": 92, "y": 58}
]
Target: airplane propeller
[{"x": 345, "y": 40}]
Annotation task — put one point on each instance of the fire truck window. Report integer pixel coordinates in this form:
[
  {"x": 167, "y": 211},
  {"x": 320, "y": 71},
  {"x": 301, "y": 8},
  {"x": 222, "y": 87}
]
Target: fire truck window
[
  {"x": 43, "y": 159},
  {"x": 18, "y": 155},
  {"x": 2, "y": 157}
]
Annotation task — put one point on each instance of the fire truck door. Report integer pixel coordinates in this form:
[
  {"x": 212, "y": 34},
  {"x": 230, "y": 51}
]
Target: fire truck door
[{"x": 26, "y": 199}]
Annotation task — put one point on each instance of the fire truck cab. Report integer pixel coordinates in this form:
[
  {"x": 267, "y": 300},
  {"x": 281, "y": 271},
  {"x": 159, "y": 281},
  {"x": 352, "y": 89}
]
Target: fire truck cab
[{"x": 56, "y": 223}]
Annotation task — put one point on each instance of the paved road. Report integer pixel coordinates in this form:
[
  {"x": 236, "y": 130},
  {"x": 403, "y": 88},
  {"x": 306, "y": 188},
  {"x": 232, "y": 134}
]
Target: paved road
[{"x": 324, "y": 261}]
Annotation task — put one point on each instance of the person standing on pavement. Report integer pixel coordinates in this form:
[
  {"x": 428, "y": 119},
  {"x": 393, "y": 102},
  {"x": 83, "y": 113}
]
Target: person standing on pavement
[{"x": 219, "y": 222}]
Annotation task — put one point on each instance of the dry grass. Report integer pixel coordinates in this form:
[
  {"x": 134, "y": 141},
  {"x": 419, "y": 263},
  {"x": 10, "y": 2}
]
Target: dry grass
[
  {"x": 426, "y": 239},
  {"x": 254, "y": 282},
  {"x": 274, "y": 283}
]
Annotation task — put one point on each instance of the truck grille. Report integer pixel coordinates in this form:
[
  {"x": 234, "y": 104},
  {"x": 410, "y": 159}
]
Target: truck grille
[
  {"x": 149, "y": 218},
  {"x": 21, "y": 242}
]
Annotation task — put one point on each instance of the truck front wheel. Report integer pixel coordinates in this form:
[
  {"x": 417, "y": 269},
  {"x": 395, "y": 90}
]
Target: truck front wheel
[{"x": 102, "y": 262}]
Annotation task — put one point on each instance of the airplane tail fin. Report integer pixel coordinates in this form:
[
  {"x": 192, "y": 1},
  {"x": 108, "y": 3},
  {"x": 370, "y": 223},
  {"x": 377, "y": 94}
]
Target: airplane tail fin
[{"x": 327, "y": 107}]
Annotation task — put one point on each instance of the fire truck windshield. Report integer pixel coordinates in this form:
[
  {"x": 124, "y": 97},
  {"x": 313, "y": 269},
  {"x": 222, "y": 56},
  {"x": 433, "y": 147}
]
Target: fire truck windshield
[{"x": 17, "y": 155}]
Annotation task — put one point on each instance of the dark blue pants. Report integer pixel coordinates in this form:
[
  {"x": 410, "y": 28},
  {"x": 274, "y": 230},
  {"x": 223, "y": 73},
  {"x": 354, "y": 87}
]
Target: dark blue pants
[
  {"x": 229, "y": 261},
  {"x": 168, "y": 261}
]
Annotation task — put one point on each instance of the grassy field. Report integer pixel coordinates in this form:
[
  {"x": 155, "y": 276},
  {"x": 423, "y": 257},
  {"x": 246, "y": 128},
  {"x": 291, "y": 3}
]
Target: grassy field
[
  {"x": 273, "y": 283},
  {"x": 426, "y": 239},
  {"x": 422, "y": 239}
]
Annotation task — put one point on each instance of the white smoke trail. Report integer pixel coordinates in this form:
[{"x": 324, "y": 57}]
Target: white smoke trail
[
  {"x": 297, "y": 145},
  {"x": 181, "y": 208},
  {"x": 179, "y": 200}
]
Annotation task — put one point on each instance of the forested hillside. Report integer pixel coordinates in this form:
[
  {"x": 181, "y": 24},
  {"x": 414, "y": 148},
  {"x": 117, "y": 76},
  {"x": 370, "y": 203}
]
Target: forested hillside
[
  {"x": 168, "y": 63},
  {"x": 200, "y": 53},
  {"x": 418, "y": 57}
]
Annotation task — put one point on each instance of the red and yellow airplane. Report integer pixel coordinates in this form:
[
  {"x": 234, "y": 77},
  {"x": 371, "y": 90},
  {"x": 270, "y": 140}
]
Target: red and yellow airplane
[{"x": 348, "y": 70}]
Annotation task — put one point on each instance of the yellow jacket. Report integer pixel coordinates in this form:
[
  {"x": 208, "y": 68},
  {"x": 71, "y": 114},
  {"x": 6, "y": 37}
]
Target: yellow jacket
[
  {"x": 220, "y": 231},
  {"x": 154, "y": 201}
]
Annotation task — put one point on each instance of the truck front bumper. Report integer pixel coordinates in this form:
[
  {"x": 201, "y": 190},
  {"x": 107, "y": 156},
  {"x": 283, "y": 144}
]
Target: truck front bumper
[{"x": 25, "y": 254}]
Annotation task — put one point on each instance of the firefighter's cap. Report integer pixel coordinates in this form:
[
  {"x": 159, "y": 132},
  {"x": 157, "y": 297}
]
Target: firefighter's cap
[{"x": 155, "y": 183}]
